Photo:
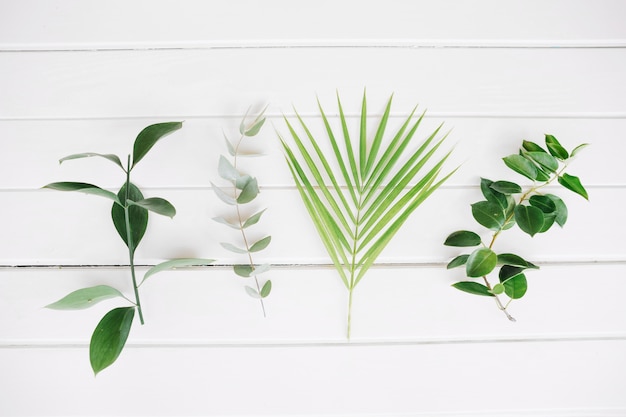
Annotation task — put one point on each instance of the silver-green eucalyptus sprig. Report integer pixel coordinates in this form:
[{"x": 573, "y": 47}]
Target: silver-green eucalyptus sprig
[
  {"x": 244, "y": 189},
  {"x": 533, "y": 211},
  {"x": 130, "y": 218},
  {"x": 358, "y": 197}
]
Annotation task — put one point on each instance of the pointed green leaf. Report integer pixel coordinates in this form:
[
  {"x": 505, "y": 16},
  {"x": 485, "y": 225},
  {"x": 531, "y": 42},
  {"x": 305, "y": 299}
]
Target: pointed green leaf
[
  {"x": 545, "y": 161},
  {"x": 572, "y": 183},
  {"x": 378, "y": 138},
  {"x": 226, "y": 222},
  {"x": 529, "y": 219},
  {"x": 266, "y": 289},
  {"x": 363, "y": 138},
  {"x": 229, "y": 146},
  {"x": 83, "y": 187},
  {"x": 261, "y": 244},
  {"x": 514, "y": 260},
  {"x": 252, "y": 292},
  {"x": 176, "y": 263},
  {"x": 254, "y": 219},
  {"x": 532, "y": 147},
  {"x": 578, "y": 149},
  {"x": 138, "y": 216},
  {"x": 561, "y": 209},
  {"x": 458, "y": 261},
  {"x": 113, "y": 158},
  {"x": 522, "y": 166},
  {"x": 256, "y": 126},
  {"x": 243, "y": 270},
  {"x": 506, "y": 187},
  {"x": 109, "y": 337},
  {"x": 516, "y": 287},
  {"x": 488, "y": 214},
  {"x": 156, "y": 205},
  {"x": 508, "y": 271},
  {"x": 473, "y": 288},
  {"x": 149, "y": 136},
  {"x": 480, "y": 263},
  {"x": 226, "y": 170},
  {"x": 555, "y": 148},
  {"x": 249, "y": 192},
  {"x": 85, "y": 297},
  {"x": 463, "y": 238},
  {"x": 543, "y": 203},
  {"x": 492, "y": 195},
  {"x": 222, "y": 195},
  {"x": 232, "y": 248}
]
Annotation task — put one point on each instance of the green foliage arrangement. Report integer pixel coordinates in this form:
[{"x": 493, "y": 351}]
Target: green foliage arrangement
[
  {"x": 358, "y": 199},
  {"x": 244, "y": 189},
  {"x": 130, "y": 217},
  {"x": 533, "y": 212}
]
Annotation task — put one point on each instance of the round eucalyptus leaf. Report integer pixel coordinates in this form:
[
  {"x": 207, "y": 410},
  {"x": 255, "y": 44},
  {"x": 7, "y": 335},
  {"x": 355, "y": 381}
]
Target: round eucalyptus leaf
[{"x": 481, "y": 262}]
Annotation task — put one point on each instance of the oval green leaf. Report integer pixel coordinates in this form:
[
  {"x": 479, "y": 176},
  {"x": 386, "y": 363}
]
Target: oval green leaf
[
  {"x": 266, "y": 289},
  {"x": 176, "y": 263},
  {"x": 156, "y": 205},
  {"x": 529, "y": 219},
  {"x": 514, "y": 260},
  {"x": 532, "y": 147},
  {"x": 458, "y": 261},
  {"x": 522, "y": 166},
  {"x": 83, "y": 187},
  {"x": 578, "y": 149},
  {"x": 508, "y": 272},
  {"x": 473, "y": 288},
  {"x": 543, "y": 203},
  {"x": 546, "y": 161},
  {"x": 480, "y": 263},
  {"x": 463, "y": 238},
  {"x": 226, "y": 170},
  {"x": 572, "y": 183},
  {"x": 109, "y": 337},
  {"x": 497, "y": 289},
  {"x": 506, "y": 187},
  {"x": 226, "y": 222},
  {"x": 137, "y": 216},
  {"x": 561, "y": 209},
  {"x": 249, "y": 191},
  {"x": 254, "y": 219},
  {"x": 491, "y": 194},
  {"x": 261, "y": 244},
  {"x": 516, "y": 287},
  {"x": 232, "y": 248},
  {"x": 151, "y": 135},
  {"x": 252, "y": 292},
  {"x": 85, "y": 298},
  {"x": 555, "y": 148},
  {"x": 113, "y": 158},
  {"x": 243, "y": 270},
  {"x": 488, "y": 214}
]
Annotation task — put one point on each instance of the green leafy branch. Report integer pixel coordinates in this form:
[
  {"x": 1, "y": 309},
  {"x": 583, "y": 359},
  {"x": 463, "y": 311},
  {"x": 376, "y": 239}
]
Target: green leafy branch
[
  {"x": 359, "y": 198},
  {"x": 130, "y": 218},
  {"x": 533, "y": 212},
  {"x": 244, "y": 190}
]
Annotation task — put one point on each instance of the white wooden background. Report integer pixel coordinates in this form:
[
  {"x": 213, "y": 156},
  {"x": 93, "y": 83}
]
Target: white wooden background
[{"x": 80, "y": 76}]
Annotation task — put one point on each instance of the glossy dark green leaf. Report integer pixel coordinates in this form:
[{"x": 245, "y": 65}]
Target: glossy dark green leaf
[
  {"x": 243, "y": 270},
  {"x": 532, "y": 147},
  {"x": 578, "y": 149},
  {"x": 83, "y": 187},
  {"x": 555, "y": 148},
  {"x": 516, "y": 287},
  {"x": 266, "y": 289},
  {"x": 480, "y": 263},
  {"x": 462, "y": 238},
  {"x": 572, "y": 183},
  {"x": 508, "y": 271},
  {"x": 138, "y": 216},
  {"x": 548, "y": 222},
  {"x": 175, "y": 264},
  {"x": 473, "y": 288},
  {"x": 109, "y": 337},
  {"x": 457, "y": 261},
  {"x": 149, "y": 136},
  {"x": 85, "y": 298},
  {"x": 156, "y": 205},
  {"x": 561, "y": 209},
  {"x": 546, "y": 161},
  {"x": 249, "y": 192},
  {"x": 261, "y": 244},
  {"x": 514, "y": 260},
  {"x": 254, "y": 219},
  {"x": 529, "y": 219},
  {"x": 488, "y": 214},
  {"x": 542, "y": 202},
  {"x": 113, "y": 158},
  {"x": 491, "y": 194},
  {"x": 522, "y": 166},
  {"x": 506, "y": 187}
]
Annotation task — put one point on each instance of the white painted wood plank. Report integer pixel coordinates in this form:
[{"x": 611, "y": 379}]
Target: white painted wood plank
[
  {"x": 54, "y": 228},
  {"x": 189, "y": 157},
  {"x": 309, "y": 305},
  {"x": 36, "y": 24},
  {"x": 216, "y": 82},
  {"x": 570, "y": 379}
]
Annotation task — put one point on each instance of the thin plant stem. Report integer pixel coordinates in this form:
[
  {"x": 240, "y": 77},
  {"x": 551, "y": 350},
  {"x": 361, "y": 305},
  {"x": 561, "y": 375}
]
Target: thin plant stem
[{"x": 131, "y": 245}]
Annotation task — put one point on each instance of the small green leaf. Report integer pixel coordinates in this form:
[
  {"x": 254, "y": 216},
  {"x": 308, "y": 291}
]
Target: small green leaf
[
  {"x": 544, "y": 160},
  {"x": 151, "y": 135},
  {"x": 463, "y": 238},
  {"x": 229, "y": 146},
  {"x": 226, "y": 222},
  {"x": 256, "y": 127},
  {"x": 555, "y": 148},
  {"x": 137, "y": 216},
  {"x": 516, "y": 287},
  {"x": 543, "y": 203},
  {"x": 156, "y": 205},
  {"x": 473, "y": 288},
  {"x": 226, "y": 170},
  {"x": 572, "y": 183},
  {"x": 561, "y": 209},
  {"x": 249, "y": 192},
  {"x": 497, "y": 289},
  {"x": 491, "y": 194},
  {"x": 254, "y": 219},
  {"x": 266, "y": 289},
  {"x": 532, "y": 147},
  {"x": 252, "y": 292},
  {"x": 176, "y": 263},
  {"x": 222, "y": 195},
  {"x": 480, "y": 263},
  {"x": 232, "y": 248},
  {"x": 548, "y": 221},
  {"x": 488, "y": 214},
  {"x": 506, "y": 187},
  {"x": 83, "y": 187},
  {"x": 109, "y": 337},
  {"x": 260, "y": 269},
  {"x": 243, "y": 270},
  {"x": 529, "y": 219},
  {"x": 261, "y": 244},
  {"x": 458, "y": 261},
  {"x": 515, "y": 260},
  {"x": 522, "y": 166},
  {"x": 578, "y": 149},
  {"x": 508, "y": 271},
  {"x": 85, "y": 297},
  {"x": 113, "y": 158}
]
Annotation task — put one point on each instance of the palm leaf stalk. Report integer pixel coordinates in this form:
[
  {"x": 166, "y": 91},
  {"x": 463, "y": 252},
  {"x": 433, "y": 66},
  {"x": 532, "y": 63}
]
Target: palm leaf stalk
[{"x": 358, "y": 199}]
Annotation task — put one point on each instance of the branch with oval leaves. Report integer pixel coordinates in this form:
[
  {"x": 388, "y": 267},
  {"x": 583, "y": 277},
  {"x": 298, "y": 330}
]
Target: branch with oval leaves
[
  {"x": 130, "y": 217},
  {"x": 506, "y": 204},
  {"x": 243, "y": 190}
]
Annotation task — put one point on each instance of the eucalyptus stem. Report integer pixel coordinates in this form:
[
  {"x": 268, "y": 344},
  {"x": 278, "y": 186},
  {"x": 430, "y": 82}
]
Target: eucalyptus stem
[{"x": 131, "y": 246}]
